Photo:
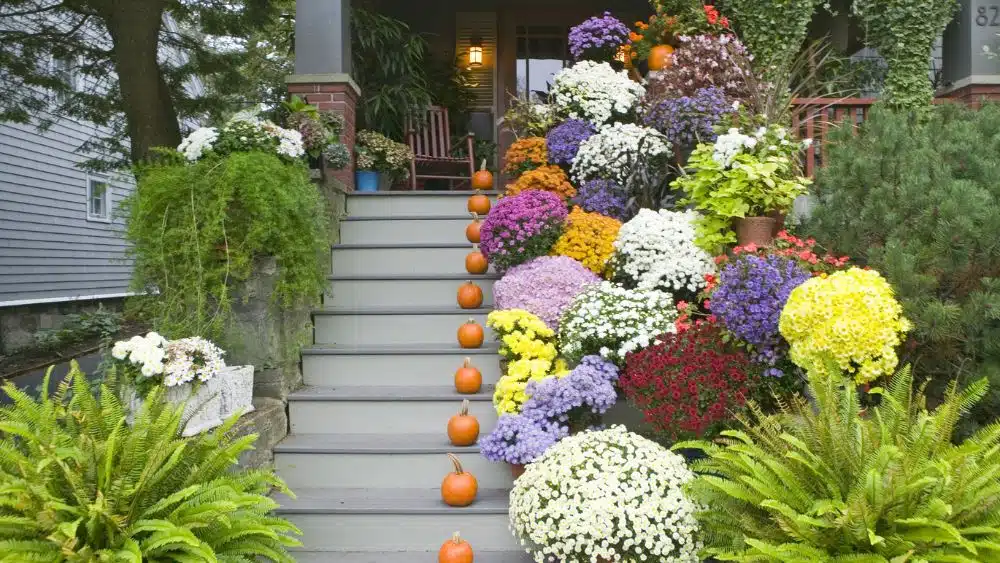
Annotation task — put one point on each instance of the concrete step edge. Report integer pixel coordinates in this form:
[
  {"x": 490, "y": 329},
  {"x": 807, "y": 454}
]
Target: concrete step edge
[
  {"x": 487, "y": 349},
  {"x": 376, "y": 394},
  {"x": 366, "y": 218},
  {"x": 391, "y": 310},
  {"x": 415, "y": 277},
  {"x": 403, "y": 246},
  {"x": 419, "y": 193},
  {"x": 388, "y": 501},
  {"x": 379, "y": 444}
]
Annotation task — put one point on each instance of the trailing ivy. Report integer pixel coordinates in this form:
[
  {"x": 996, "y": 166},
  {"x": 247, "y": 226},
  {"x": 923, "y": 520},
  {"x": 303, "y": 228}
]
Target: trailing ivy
[
  {"x": 773, "y": 30},
  {"x": 903, "y": 32},
  {"x": 197, "y": 228}
]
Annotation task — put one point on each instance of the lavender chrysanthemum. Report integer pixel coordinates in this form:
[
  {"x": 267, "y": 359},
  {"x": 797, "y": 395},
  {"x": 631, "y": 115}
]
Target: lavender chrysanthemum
[
  {"x": 563, "y": 140},
  {"x": 688, "y": 120},
  {"x": 516, "y": 439},
  {"x": 521, "y": 227},
  {"x": 604, "y": 197},
  {"x": 544, "y": 286},
  {"x": 748, "y": 302},
  {"x": 598, "y": 38}
]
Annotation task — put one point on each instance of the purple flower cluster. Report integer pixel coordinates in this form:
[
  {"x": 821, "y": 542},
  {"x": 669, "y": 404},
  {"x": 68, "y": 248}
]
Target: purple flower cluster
[
  {"x": 688, "y": 120},
  {"x": 597, "y": 38},
  {"x": 545, "y": 286},
  {"x": 748, "y": 301},
  {"x": 521, "y": 227},
  {"x": 563, "y": 141},
  {"x": 555, "y": 407},
  {"x": 604, "y": 197}
]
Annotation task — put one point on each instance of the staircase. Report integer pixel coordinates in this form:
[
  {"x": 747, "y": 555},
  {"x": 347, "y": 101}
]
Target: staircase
[{"x": 366, "y": 453}]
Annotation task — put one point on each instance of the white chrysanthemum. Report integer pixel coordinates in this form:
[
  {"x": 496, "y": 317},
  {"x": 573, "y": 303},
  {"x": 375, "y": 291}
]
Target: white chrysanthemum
[
  {"x": 192, "y": 358},
  {"x": 198, "y": 143},
  {"x": 595, "y": 92},
  {"x": 614, "y": 151},
  {"x": 730, "y": 144},
  {"x": 656, "y": 250},
  {"x": 612, "y": 321},
  {"x": 607, "y": 494}
]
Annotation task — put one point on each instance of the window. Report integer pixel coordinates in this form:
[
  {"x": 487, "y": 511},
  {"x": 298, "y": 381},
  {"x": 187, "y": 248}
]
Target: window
[
  {"x": 64, "y": 69},
  {"x": 98, "y": 200},
  {"x": 542, "y": 51}
]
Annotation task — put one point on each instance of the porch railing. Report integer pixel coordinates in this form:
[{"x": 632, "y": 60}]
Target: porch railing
[{"x": 814, "y": 118}]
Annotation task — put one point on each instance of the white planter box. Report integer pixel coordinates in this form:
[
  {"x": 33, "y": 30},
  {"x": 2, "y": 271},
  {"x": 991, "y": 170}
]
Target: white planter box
[{"x": 211, "y": 403}]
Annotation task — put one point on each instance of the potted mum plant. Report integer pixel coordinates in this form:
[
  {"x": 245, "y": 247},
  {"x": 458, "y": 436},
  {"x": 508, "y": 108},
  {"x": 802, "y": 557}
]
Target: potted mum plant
[
  {"x": 742, "y": 183},
  {"x": 192, "y": 371},
  {"x": 380, "y": 161}
]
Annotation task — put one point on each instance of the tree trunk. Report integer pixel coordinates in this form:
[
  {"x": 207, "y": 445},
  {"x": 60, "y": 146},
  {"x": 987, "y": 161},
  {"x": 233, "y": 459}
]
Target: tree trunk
[{"x": 135, "y": 32}]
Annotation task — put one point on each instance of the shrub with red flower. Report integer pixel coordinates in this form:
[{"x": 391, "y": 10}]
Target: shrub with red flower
[
  {"x": 804, "y": 251},
  {"x": 690, "y": 383}
]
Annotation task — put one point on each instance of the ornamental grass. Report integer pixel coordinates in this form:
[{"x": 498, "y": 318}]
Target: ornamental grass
[
  {"x": 548, "y": 178},
  {"x": 588, "y": 238}
]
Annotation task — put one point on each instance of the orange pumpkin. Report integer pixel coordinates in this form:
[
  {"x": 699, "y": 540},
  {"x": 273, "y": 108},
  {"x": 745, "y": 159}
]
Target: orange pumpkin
[
  {"x": 479, "y": 204},
  {"x": 468, "y": 379},
  {"x": 470, "y": 334},
  {"x": 463, "y": 428},
  {"x": 459, "y": 488},
  {"x": 455, "y": 550},
  {"x": 660, "y": 57},
  {"x": 472, "y": 231},
  {"x": 470, "y": 296},
  {"x": 483, "y": 178},
  {"x": 476, "y": 263}
]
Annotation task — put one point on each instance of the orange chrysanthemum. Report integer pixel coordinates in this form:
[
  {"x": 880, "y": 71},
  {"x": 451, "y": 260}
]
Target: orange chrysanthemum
[
  {"x": 589, "y": 238},
  {"x": 548, "y": 178},
  {"x": 525, "y": 154}
]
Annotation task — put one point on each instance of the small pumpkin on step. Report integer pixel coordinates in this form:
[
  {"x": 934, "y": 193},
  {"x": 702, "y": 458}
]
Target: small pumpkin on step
[
  {"x": 455, "y": 550},
  {"x": 463, "y": 428},
  {"x": 470, "y": 295},
  {"x": 459, "y": 488},
  {"x": 472, "y": 231},
  {"x": 476, "y": 263},
  {"x": 468, "y": 379},
  {"x": 479, "y": 204},
  {"x": 470, "y": 334},
  {"x": 483, "y": 178}
]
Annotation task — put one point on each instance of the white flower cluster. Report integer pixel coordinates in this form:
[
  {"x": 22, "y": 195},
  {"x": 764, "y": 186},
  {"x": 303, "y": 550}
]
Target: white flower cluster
[
  {"x": 610, "y": 320},
  {"x": 656, "y": 250},
  {"x": 595, "y": 92},
  {"x": 765, "y": 141},
  {"x": 607, "y": 494},
  {"x": 177, "y": 361},
  {"x": 614, "y": 151},
  {"x": 730, "y": 144},
  {"x": 195, "y": 145},
  {"x": 289, "y": 140}
]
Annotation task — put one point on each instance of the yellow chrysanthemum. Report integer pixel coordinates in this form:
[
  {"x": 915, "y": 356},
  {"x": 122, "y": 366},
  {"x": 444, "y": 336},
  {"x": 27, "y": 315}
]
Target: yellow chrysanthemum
[
  {"x": 522, "y": 335},
  {"x": 510, "y": 393},
  {"x": 589, "y": 238},
  {"x": 849, "y": 318}
]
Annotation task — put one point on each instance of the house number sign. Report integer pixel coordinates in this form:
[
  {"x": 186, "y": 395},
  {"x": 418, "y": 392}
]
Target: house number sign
[{"x": 988, "y": 16}]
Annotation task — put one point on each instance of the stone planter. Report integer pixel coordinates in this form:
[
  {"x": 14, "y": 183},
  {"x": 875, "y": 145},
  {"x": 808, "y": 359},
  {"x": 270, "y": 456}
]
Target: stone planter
[{"x": 208, "y": 404}]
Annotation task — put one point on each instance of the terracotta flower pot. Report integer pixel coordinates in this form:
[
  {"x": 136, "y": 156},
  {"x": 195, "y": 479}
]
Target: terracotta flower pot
[
  {"x": 754, "y": 230},
  {"x": 516, "y": 470}
]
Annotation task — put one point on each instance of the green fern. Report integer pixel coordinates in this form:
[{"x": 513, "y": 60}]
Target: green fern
[
  {"x": 827, "y": 480},
  {"x": 79, "y": 485}
]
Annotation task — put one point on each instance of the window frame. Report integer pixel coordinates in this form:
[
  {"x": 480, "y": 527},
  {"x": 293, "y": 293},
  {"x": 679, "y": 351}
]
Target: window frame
[
  {"x": 69, "y": 71},
  {"x": 93, "y": 180}
]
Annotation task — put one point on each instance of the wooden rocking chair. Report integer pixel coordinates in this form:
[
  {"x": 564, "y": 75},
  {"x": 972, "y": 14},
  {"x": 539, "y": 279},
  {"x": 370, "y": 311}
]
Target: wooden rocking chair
[{"x": 430, "y": 140}]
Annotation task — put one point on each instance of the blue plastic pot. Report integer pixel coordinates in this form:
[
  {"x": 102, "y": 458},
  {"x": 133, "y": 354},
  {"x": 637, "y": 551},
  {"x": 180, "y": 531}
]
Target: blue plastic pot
[{"x": 366, "y": 181}]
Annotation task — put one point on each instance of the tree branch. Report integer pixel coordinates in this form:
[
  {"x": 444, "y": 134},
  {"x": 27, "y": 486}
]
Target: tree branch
[{"x": 33, "y": 11}]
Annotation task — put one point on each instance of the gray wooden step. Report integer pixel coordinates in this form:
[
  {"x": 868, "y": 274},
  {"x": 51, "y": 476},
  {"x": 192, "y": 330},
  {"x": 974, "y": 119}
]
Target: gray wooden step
[
  {"x": 382, "y": 259},
  {"x": 361, "y": 409},
  {"x": 394, "y": 325},
  {"x": 380, "y": 366},
  {"x": 396, "y": 519},
  {"x": 405, "y": 229},
  {"x": 373, "y": 460},
  {"x": 405, "y": 290},
  {"x": 409, "y": 204},
  {"x": 406, "y": 556}
]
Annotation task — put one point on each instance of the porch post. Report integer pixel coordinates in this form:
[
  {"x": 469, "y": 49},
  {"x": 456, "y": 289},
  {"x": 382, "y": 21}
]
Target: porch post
[
  {"x": 323, "y": 65},
  {"x": 969, "y": 75}
]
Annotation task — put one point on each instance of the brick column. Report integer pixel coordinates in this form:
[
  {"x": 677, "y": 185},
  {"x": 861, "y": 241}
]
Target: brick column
[{"x": 336, "y": 92}]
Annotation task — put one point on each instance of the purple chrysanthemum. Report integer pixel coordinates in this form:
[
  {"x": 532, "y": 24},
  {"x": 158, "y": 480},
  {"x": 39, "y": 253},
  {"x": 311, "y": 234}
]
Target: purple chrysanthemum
[
  {"x": 563, "y": 141},
  {"x": 688, "y": 120},
  {"x": 597, "y": 38},
  {"x": 604, "y": 197},
  {"x": 544, "y": 286},
  {"x": 748, "y": 301},
  {"x": 516, "y": 440},
  {"x": 521, "y": 227}
]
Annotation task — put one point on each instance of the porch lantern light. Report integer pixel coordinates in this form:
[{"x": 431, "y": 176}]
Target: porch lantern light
[{"x": 476, "y": 52}]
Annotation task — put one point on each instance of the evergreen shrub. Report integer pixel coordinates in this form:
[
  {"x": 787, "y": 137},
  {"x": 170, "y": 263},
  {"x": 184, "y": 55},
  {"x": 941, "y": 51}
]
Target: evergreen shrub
[{"x": 919, "y": 201}]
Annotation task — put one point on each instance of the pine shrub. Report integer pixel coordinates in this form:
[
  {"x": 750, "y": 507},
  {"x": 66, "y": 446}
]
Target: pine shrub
[
  {"x": 920, "y": 202},
  {"x": 831, "y": 481},
  {"x": 78, "y": 484}
]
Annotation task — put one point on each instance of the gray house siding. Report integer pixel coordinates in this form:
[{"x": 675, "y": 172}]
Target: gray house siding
[{"x": 50, "y": 249}]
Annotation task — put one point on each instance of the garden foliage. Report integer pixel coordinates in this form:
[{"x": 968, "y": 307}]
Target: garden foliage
[
  {"x": 81, "y": 485},
  {"x": 920, "y": 203},
  {"x": 830, "y": 480}
]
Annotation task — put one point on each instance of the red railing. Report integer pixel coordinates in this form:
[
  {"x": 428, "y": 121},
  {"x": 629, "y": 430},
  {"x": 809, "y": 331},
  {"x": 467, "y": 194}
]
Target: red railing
[{"x": 813, "y": 118}]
